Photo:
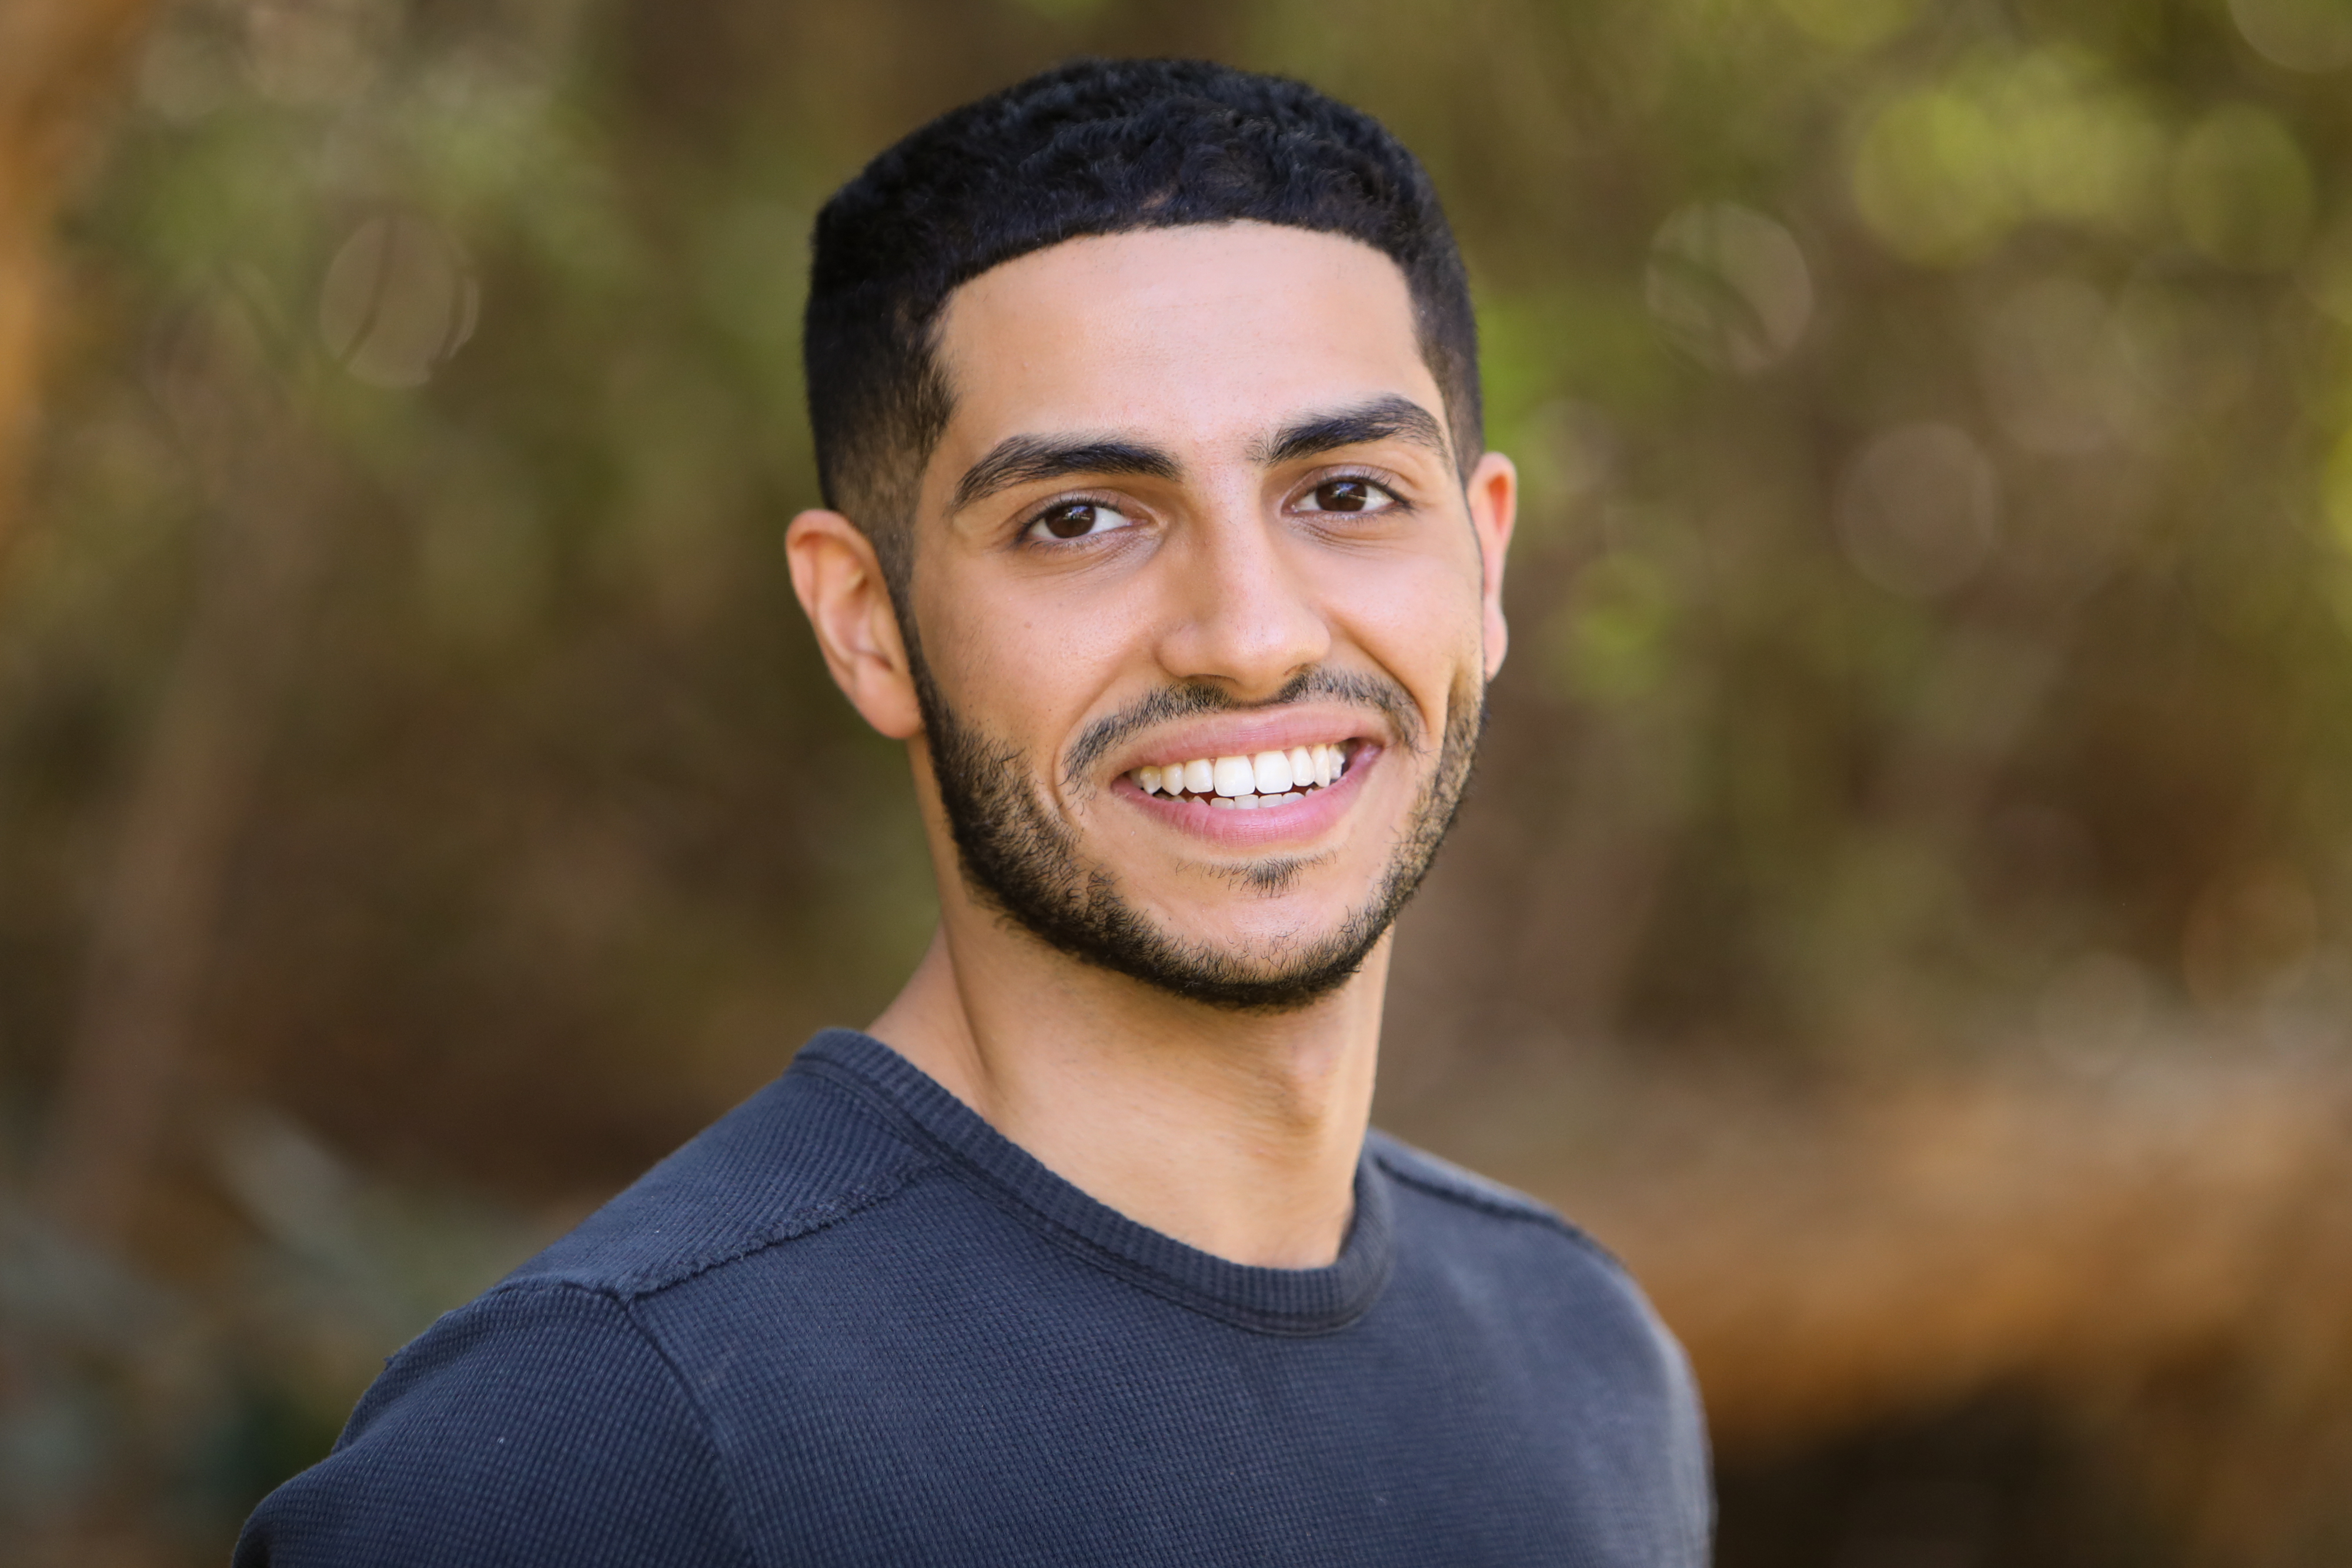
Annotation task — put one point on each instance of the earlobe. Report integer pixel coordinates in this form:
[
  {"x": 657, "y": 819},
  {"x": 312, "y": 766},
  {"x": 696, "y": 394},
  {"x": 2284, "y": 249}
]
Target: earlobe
[
  {"x": 1494, "y": 492},
  {"x": 838, "y": 579}
]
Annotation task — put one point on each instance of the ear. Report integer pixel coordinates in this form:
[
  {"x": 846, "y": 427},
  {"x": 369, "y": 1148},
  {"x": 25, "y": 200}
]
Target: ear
[
  {"x": 1494, "y": 494},
  {"x": 839, "y": 581}
]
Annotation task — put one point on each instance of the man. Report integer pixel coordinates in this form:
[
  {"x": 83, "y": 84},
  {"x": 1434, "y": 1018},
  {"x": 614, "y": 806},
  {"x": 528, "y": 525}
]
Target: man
[{"x": 1165, "y": 538}]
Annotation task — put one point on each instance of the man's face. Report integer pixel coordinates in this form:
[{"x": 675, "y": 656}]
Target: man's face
[{"x": 1193, "y": 525}]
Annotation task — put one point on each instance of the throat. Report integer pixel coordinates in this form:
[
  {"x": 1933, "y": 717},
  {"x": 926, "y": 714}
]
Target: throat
[{"x": 1236, "y": 1136}]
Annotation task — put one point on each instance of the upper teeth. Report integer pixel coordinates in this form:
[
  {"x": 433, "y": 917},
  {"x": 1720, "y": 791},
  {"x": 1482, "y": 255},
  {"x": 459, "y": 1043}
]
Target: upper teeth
[{"x": 1268, "y": 773}]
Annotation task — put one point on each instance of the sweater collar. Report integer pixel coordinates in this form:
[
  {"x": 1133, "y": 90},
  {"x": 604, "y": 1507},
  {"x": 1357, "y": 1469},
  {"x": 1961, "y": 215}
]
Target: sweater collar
[{"x": 1268, "y": 1300}]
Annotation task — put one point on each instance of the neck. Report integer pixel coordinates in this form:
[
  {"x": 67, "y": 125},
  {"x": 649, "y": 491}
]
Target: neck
[{"x": 1235, "y": 1133}]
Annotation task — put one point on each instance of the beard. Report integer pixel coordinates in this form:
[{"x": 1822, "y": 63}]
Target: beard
[{"x": 1025, "y": 862}]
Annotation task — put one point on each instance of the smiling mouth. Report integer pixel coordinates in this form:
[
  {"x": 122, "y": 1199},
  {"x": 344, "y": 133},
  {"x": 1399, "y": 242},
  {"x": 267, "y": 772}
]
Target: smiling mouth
[{"x": 1247, "y": 783}]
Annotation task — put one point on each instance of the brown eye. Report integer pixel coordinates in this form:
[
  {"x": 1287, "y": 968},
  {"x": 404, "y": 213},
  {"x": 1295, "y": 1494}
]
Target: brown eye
[
  {"x": 1077, "y": 519},
  {"x": 1349, "y": 495}
]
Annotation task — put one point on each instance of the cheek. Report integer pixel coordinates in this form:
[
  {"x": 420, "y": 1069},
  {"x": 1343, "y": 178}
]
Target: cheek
[
  {"x": 1420, "y": 618},
  {"x": 1025, "y": 667}
]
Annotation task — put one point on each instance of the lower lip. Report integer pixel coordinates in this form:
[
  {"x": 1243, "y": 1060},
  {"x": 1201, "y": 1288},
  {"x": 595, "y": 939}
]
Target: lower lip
[{"x": 1265, "y": 825}]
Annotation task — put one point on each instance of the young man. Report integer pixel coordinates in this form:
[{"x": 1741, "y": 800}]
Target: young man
[{"x": 1165, "y": 538}]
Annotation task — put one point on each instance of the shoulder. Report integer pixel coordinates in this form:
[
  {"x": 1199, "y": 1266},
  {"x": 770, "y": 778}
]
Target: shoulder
[
  {"x": 548, "y": 1420},
  {"x": 537, "y": 1425},
  {"x": 1422, "y": 1172},
  {"x": 1525, "y": 1251},
  {"x": 1579, "y": 1300},
  {"x": 1523, "y": 1247},
  {"x": 797, "y": 1157}
]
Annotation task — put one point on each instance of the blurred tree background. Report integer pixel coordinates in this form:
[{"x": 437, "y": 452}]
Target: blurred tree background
[{"x": 1904, "y": 904}]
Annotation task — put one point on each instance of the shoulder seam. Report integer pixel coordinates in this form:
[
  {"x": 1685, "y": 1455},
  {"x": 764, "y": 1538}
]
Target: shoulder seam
[
  {"x": 1528, "y": 1213},
  {"x": 792, "y": 1224},
  {"x": 708, "y": 1429}
]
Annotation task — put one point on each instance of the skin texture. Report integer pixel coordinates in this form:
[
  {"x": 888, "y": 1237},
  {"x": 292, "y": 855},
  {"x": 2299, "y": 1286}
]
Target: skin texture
[{"x": 1217, "y": 601}]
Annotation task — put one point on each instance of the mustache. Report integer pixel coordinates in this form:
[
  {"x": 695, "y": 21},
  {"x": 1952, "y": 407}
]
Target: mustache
[{"x": 1190, "y": 699}]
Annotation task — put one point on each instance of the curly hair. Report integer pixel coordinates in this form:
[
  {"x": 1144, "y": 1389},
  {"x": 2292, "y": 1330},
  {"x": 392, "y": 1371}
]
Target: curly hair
[{"x": 1092, "y": 147}]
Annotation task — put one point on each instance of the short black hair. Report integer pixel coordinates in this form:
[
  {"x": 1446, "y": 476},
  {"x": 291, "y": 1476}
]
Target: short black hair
[{"x": 1093, "y": 147}]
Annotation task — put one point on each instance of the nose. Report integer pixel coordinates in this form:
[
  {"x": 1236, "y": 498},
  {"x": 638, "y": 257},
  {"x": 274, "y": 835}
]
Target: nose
[{"x": 1242, "y": 615}]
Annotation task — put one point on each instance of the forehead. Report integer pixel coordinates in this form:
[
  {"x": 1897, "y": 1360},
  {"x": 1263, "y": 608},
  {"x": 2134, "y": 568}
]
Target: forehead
[{"x": 1196, "y": 334}]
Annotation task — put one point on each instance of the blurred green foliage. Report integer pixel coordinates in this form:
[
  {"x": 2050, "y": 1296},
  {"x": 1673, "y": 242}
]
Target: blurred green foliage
[{"x": 1932, "y": 599}]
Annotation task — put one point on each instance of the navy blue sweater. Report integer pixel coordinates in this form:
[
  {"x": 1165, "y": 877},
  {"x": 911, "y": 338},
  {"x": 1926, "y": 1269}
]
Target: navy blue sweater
[{"x": 852, "y": 1323}]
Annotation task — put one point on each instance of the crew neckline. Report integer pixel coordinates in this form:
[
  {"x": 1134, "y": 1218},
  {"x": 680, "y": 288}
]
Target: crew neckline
[{"x": 1265, "y": 1301}]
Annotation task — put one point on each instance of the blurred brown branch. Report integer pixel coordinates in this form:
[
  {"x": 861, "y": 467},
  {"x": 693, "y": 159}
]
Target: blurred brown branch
[
  {"x": 58, "y": 61},
  {"x": 2168, "y": 1253}
]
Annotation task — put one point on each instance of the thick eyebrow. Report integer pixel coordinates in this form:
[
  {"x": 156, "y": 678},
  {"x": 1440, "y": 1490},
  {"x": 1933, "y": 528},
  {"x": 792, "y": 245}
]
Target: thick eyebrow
[
  {"x": 1383, "y": 419},
  {"x": 1024, "y": 459}
]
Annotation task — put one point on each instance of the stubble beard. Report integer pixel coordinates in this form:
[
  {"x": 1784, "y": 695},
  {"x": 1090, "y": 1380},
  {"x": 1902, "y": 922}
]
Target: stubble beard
[{"x": 1019, "y": 859}]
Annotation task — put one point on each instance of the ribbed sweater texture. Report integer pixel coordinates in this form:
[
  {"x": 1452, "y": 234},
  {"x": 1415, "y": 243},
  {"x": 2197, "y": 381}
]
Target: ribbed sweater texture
[{"x": 851, "y": 1324}]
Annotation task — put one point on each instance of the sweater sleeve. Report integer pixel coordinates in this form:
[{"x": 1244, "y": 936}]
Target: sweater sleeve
[
  {"x": 1689, "y": 1460},
  {"x": 538, "y": 1425}
]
